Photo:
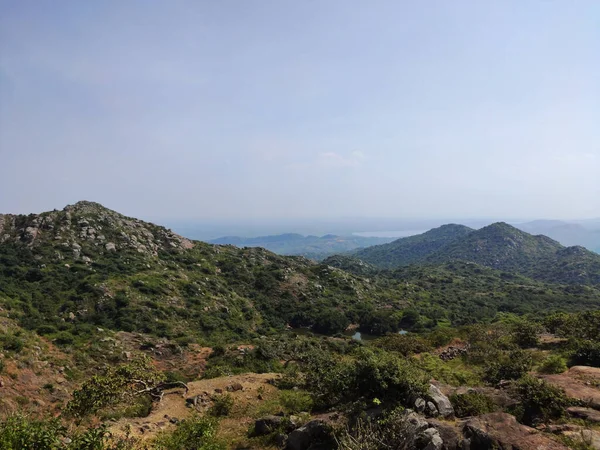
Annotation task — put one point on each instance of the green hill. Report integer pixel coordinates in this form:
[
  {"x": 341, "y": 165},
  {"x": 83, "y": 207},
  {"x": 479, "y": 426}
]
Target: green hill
[
  {"x": 412, "y": 249},
  {"x": 504, "y": 247}
]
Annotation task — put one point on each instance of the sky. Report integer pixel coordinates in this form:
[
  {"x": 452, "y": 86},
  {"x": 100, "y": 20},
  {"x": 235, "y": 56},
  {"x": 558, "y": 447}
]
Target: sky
[{"x": 271, "y": 109}]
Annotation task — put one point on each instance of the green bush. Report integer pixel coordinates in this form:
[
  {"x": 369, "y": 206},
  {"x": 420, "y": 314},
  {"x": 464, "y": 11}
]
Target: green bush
[
  {"x": 296, "y": 401},
  {"x": 221, "y": 406},
  {"x": 11, "y": 343},
  {"x": 405, "y": 344},
  {"x": 509, "y": 366},
  {"x": 553, "y": 364},
  {"x": 195, "y": 433},
  {"x": 20, "y": 432},
  {"x": 472, "y": 404},
  {"x": 586, "y": 353},
  {"x": 539, "y": 401}
]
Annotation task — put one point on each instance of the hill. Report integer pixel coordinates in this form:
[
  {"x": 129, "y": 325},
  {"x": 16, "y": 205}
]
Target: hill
[
  {"x": 87, "y": 266},
  {"x": 504, "y": 247},
  {"x": 412, "y": 249},
  {"x": 314, "y": 247}
]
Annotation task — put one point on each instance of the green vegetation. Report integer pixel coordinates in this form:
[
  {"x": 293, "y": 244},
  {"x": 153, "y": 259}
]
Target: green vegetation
[
  {"x": 472, "y": 404},
  {"x": 195, "y": 433}
]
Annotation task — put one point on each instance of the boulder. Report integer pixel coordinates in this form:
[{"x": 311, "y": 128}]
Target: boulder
[
  {"x": 502, "y": 431},
  {"x": 310, "y": 435},
  {"x": 589, "y": 414},
  {"x": 267, "y": 425},
  {"x": 450, "y": 434},
  {"x": 430, "y": 439},
  {"x": 235, "y": 387},
  {"x": 441, "y": 402}
]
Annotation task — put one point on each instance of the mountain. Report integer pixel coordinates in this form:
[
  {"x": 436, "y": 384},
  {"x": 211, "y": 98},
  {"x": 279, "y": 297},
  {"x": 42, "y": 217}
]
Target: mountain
[
  {"x": 313, "y": 247},
  {"x": 498, "y": 246},
  {"x": 567, "y": 233},
  {"x": 504, "y": 247},
  {"x": 412, "y": 249}
]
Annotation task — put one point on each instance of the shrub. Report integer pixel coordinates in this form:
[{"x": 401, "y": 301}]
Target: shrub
[
  {"x": 296, "y": 401},
  {"x": 525, "y": 333},
  {"x": 394, "y": 432},
  {"x": 195, "y": 433},
  {"x": 472, "y": 404},
  {"x": 539, "y": 401},
  {"x": 116, "y": 385},
  {"x": 405, "y": 344},
  {"x": 586, "y": 353},
  {"x": 12, "y": 343},
  {"x": 221, "y": 406},
  {"x": 510, "y": 366},
  {"x": 553, "y": 364}
]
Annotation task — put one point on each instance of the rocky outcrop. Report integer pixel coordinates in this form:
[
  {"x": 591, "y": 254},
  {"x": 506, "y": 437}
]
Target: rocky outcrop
[
  {"x": 502, "y": 431},
  {"x": 589, "y": 414},
  {"x": 580, "y": 383}
]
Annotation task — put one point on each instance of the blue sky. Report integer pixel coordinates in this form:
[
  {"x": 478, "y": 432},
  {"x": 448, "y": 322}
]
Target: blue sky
[{"x": 302, "y": 109}]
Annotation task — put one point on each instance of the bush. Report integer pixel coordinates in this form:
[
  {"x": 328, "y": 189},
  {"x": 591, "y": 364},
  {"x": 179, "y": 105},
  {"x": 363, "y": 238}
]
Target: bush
[
  {"x": 296, "y": 401},
  {"x": 394, "y": 432},
  {"x": 195, "y": 433},
  {"x": 539, "y": 401},
  {"x": 221, "y": 406},
  {"x": 11, "y": 343},
  {"x": 115, "y": 386},
  {"x": 553, "y": 364},
  {"x": 21, "y": 432},
  {"x": 405, "y": 344},
  {"x": 472, "y": 404},
  {"x": 586, "y": 353},
  {"x": 510, "y": 366},
  {"x": 525, "y": 333}
]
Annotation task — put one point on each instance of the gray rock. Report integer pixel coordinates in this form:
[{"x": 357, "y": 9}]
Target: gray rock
[
  {"x": 312, "y": 433},
  {"x": 267, "y": 425},
  {"x": 441, "y": 402},
  {"x": 110, "y": 247},
  {"x": 420, "y": 405},
  {"x": 430, "y": 439},
  {"x": 431, "y": 410}
]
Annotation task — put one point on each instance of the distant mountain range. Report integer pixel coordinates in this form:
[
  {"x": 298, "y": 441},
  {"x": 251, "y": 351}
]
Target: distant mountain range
[
  {"x": 499, "y": 246},
  {"x": 314, "y": 247}
]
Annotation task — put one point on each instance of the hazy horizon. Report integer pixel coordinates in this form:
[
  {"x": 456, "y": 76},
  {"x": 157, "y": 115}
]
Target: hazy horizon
[{"x": 265, "y": 110}]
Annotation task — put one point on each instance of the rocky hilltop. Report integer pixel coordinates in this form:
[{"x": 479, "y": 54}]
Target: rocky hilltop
[{"x": 86, "y": 229}]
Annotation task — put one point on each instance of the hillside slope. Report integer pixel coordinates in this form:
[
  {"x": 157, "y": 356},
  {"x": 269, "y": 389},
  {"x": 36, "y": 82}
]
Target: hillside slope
[
  {"x": 412, "y": 249},
  {"x": 89, "y": 266}
]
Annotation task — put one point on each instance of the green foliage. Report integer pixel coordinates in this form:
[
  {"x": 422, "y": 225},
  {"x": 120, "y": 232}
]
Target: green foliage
[
  {"x": 330, "y": 321},
  {"x": 553, "y": 364},
  {"x": 525, "y": 333},
  {"x": 369, "y": 374},
  {"x": 539, "y": 401},
  {"x": 393, "y": 432},
  {"x": 510, "y": 366},
  {"x": 20, "y": 432},
  {"x": 195, "y": 433},
  {"x": 11, "y": 343},
  {"x": 472, "y": 404},
  {"x": 296, "y": 401},
  {"x": 404, "y": 344},
  {"x": 221, "y": 406},
  {"x": 116, "y": 385},
  {"x": 586, "y": 353}
]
